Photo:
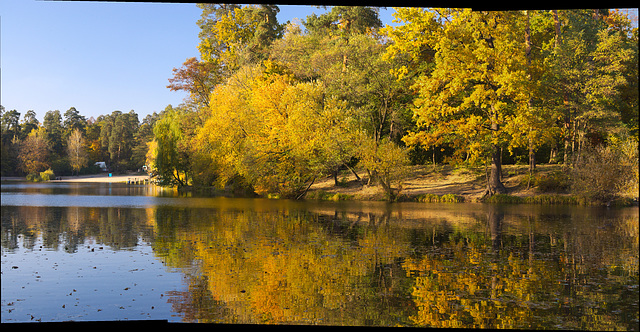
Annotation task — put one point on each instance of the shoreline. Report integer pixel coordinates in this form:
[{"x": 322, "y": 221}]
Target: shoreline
[
  {"x": 92, "y": 178},
  {"x": 424, "y": 183}
]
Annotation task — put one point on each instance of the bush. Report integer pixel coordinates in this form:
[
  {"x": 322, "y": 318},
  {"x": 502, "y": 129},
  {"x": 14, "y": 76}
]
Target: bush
[
  {"x": 42, "y": 176},
  {"x": 553, "y": 182},
  {"x": 33, "y": 177},
  {"x": 325, "y": 196},
  {"x": 605, "y": 173},
  {"x": 47, "y": 175},
  {"x": 505, "y": 199},
  {"x": 539, "y": 199},
  {"x": 433, "y": 198}
]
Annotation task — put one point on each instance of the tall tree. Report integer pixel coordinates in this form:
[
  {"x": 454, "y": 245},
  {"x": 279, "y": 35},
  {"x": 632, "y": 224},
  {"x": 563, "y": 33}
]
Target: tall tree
[
  {"x": 171, "y": 153},
  {"x": 233, "y": 36},
  {"x": 72, "y": 121},
  {"x": 52, "y": 124},
  {"x": 76, "y": 150},
  {"x": 474, "y": 86},
  {"x": 196, "y": 77},
  {"x": 29, "y": 123},
  {"x": 10, "y": 125},
  {"x": 117, "y": 138}
]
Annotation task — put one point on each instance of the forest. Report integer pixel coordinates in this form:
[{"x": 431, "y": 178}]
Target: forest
[{"x": 273, "y": 107}]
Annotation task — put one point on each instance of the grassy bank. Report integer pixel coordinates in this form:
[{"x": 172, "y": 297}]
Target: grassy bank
[{"x": 446, "y": 184}]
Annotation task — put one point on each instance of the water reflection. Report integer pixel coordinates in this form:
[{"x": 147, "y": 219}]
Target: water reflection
[{"x": 368, "y": 263}]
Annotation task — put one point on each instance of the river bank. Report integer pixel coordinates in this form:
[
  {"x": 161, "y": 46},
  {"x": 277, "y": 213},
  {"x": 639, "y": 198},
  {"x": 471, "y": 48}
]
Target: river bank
[
  {"x": 95, "y": 178},
  {"x": 444, "y": 183},
  {"x": 423, "y": 183}
]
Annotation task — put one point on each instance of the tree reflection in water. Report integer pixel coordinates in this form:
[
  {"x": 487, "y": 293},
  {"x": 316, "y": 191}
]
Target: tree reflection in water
[{"x": 480, "y": 266}]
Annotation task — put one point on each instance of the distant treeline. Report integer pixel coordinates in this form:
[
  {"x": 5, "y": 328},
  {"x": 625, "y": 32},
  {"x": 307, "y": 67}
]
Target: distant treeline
[{"x": 272, "y": 107}]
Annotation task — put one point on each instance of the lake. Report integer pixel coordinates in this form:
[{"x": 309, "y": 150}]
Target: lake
[{"x": 103, "y": 252}]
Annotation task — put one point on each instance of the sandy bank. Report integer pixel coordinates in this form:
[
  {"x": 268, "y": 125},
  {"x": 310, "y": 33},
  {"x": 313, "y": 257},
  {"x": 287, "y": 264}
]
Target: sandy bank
[{"x": 95, "y": 178}]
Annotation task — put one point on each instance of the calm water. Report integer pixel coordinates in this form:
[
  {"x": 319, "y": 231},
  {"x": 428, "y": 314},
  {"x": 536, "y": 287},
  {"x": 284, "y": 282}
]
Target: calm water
[{"x": 89, "y": 252}]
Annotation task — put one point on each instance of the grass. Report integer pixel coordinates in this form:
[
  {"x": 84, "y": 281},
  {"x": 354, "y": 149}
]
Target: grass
[
  {"x": 325, "y": 196},
  {"x": 537, "y": 199},
  {"x": 446, "y": 198}
]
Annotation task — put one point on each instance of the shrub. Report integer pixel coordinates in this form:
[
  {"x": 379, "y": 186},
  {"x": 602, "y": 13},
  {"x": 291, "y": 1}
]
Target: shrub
[
  {"x": 325, "y": 196},
  {"x": 604, "y": 173},
  {"x": 552, "y": 182},
  {"x": 551, "y": 199},
  {"x": 33, "y": 177},
  {"x": 505, "y": 199},
  {"x": 451, "y": 198},
  {"x": 47, "y": 175},
  {"x": 428, "y": 198},
  {"x": 433, "y": 198}
]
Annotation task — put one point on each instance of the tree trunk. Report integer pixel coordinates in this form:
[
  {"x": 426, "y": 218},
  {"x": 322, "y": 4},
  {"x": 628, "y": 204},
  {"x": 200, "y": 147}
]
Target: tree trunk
[
  {"x": 527, "y": 38},
  {"x": 354, "y": 173},
  {"x": 494, "y": 185},
  {"x": 532, "y": 159}
]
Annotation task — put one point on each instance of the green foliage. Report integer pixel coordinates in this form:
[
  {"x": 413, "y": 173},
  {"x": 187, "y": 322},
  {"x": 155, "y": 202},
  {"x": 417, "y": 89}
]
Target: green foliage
[
  {"x": 47, "y": 175},
  {"x": 433, "y": 198},
  {"x": 40, "y": 177},
  {"x": 171, "y": 154},
  {"x": 538, "y": 199}
]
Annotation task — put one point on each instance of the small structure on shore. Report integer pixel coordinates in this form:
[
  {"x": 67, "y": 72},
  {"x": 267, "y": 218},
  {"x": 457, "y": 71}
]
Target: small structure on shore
[{"x": 102, "y": 165}]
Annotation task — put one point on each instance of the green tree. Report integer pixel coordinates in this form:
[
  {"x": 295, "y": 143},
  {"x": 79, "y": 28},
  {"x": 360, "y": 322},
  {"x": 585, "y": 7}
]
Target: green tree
[
  {"x": 72, "y": 121},
  {"x": 349, "y": 63},
  {"x": 171, "y": 153},
  {"x": 52, "y": 124},
  {"x": 29, "y": 122},
  {"x": 117, "y": 138},
  {"x": 10, "y": 125}
]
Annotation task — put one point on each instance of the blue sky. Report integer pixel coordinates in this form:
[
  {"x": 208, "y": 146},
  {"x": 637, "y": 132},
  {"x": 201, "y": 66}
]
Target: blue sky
[{"x": 100, "y": 57}]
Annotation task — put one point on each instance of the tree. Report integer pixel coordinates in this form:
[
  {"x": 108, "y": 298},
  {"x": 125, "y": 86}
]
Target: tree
[
  {"x": 95, "y": 152},
  {"x": 233, "y": 36},
  {"x": 345, "y": 20},
  {"x": 10, "y": 134},
  {"x": 33, "y": 152},
  {"x": 474, "y": 86},
  {"x": 29, "y": 123},
  {"x": 142, "y": 137},
  {"x": 373, "y": 97},
  {"x": 117, "y": 138},
  {"x": 196, "y": 77},
  {"x": 76, "y": 151},
  {"x": 72, "y": 121},
  {"x": 171, "y": 153},
  {"x": 588, "y": 71},
  {"x": 52, "y": 124},
  {"x": 10, "y": 125}
]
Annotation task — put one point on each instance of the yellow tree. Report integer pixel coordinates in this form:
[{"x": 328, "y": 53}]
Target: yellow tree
[
  {"x": 33, "y": 152},
  {"x": 474, "y": 88},
  {"x": 76, "y": 150}
]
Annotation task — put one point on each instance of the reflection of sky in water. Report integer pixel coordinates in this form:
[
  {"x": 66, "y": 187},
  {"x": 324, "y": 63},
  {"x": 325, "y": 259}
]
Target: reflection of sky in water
[
  {"x": 19, "y": 199},
  {"x": 92, "y": 283}
]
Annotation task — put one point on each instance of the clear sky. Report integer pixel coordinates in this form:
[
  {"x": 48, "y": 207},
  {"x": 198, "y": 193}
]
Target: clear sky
[{"x": 100, "y": 57}]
